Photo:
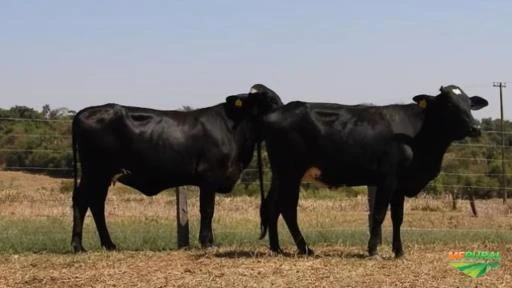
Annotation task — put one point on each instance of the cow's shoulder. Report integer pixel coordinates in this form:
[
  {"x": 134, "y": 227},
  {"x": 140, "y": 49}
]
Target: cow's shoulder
[
  {"x": 404, "y": 120},
  {"x": 287, "y": 116}
]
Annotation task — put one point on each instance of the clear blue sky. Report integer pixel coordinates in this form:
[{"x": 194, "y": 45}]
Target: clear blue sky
[{"x": 167, "y": 54}]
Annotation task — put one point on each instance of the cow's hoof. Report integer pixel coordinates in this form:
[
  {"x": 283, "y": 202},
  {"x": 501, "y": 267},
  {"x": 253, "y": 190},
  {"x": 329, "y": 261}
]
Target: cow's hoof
[
  {"x": 400, "y": 255},
  {"x": 79, "y": 249},
  {"x": 307, "y": 252},
  {"x": 110, "y": 247},
  {"x": 208, "y": 245},
  {"x": 211, "y": 249},
  {"x": 372, "y": 252},
  {"x": 375, "y": 257},
  {"x": 276, "y": 251}
]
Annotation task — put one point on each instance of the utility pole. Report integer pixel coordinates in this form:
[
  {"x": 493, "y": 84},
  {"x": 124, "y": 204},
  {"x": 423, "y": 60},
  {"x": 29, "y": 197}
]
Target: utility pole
[{"x": 502, "y": 85}]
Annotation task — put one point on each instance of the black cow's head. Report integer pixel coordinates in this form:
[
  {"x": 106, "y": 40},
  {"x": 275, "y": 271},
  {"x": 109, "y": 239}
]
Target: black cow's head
[
  {"x": 260, "y": 101},
  {"x": 450, "y": 111}
]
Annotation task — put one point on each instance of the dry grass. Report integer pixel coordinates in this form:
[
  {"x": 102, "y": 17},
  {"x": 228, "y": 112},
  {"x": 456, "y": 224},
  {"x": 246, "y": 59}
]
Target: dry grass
[
  {"x": 32, "y": 197},
  {"x": 334, "y": 267},
  {"x": 35, "y": 196}
]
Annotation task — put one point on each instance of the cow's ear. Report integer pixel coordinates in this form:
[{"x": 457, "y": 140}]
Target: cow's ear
[
  {"x": 235, "y": 102},
  {"x": 422, "y": 100},
  {"x": 478, "y": 102}
]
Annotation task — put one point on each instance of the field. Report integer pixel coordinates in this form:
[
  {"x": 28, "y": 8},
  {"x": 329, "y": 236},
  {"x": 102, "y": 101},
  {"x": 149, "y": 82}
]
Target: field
[{"x": 35, "y": 251}]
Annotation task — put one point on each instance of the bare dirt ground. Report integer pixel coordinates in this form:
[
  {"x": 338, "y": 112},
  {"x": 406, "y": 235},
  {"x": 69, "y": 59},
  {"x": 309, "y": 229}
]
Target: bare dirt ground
[{"x": 24, "y": 196}]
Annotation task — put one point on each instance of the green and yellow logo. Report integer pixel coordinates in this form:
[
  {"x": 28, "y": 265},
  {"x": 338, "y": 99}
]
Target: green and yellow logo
[{"x": 475, "y": 263}]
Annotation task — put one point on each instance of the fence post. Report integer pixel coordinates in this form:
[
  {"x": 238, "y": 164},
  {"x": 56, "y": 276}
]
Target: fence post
[
  {"x": 182, "y": 218},
  {"x": 472, "y": 203},
  {"x": 454, "y": 199}
]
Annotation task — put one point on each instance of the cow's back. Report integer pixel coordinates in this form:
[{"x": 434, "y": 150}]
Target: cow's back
[
  {"x": 346, "y": 142},
  {"x": 158, "y": 148}
]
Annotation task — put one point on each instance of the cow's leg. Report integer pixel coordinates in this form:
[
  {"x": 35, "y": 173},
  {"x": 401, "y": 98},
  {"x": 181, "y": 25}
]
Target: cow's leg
[
  {"x": 97, "y": 206},
  {"x": 379, "y": 213},
  {"x": 289, "y": 203},
  {"x": 206, "y": 208},
  {"x": 382, "y": 199},
  {"x": 397, "y": 216},
  {"x": 80, "y": 205},
  {"x": 372, "y": 190},
  {"x": 273, "y": 211}
]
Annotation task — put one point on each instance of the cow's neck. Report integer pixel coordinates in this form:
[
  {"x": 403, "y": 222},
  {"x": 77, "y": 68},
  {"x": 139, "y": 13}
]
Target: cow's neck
[
  {"x": 428, "y": 150},
  {"x": 432, "y": 144},
  {"x": 243, "y": 133}
]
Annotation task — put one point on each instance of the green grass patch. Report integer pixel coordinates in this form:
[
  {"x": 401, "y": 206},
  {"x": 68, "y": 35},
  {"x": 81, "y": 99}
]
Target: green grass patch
[
  {"x": 53, "y": 235},
  {"x": 356, "y": 237}
]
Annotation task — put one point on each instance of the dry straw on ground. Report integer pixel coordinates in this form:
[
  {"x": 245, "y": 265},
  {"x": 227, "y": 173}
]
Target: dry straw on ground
[
  {"x": 25, "y": 196},
  {"x": 333, "y": 267}
]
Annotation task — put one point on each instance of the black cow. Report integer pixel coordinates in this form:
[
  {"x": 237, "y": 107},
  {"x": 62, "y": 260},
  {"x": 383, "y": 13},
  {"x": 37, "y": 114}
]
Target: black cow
[
  {"x": 397, "y": 148},
  {"x": 152, "y": 150}
]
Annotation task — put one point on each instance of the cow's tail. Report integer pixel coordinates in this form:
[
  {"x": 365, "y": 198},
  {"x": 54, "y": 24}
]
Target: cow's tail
[
  {"x": 74, "y": 143},
  {"x": 263, "y": 205}
]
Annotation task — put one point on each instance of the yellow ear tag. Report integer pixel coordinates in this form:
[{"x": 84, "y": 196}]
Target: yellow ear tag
[
  {"x": 238, "y": 103},
  {"x": 422, "y": 103}
]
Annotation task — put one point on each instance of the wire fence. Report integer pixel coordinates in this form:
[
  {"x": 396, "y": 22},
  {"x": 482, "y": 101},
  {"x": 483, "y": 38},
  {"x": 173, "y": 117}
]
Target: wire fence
[
  {"x": 34, "y": 119},
  {"x": 64, "y": 148}
]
